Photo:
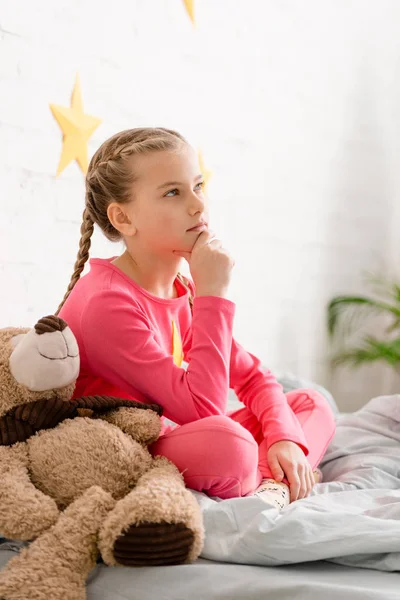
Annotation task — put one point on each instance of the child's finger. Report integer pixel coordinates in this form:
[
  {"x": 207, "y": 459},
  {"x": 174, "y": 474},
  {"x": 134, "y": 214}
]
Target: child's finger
[
  {"x": 294, "y": 484},
  {"x": 311, "y": 481},
  {"x": 276, "y": 469}
]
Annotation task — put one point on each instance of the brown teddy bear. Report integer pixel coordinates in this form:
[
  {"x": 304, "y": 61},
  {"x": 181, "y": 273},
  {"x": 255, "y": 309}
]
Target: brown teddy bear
[{"x": 76, "y": 475}]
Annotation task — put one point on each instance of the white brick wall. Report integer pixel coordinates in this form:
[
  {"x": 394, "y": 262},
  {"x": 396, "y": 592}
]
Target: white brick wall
[{"x": 296, "y": 108}]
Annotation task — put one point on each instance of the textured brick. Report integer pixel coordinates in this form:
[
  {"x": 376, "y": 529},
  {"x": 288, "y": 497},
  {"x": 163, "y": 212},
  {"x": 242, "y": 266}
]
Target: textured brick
[{"x": 296, "y": 108}]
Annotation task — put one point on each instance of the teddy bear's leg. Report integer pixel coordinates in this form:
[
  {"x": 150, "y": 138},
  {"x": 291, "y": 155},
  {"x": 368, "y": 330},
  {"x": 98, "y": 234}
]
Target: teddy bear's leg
[
  {"x": 57, "y": 563},
  {"x": 157, "y": 523},
  {"x": 25, "y": 512}
]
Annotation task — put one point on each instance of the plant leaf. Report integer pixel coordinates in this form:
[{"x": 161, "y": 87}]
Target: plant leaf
[
  {"x": 371, "y": 350},
  {"x": 348, "y": 306},
  {"x": 383, "y": 287}
]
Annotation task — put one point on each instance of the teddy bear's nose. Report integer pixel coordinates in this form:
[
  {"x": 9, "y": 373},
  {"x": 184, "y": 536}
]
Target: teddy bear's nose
[{"x": 49, "y": 324}]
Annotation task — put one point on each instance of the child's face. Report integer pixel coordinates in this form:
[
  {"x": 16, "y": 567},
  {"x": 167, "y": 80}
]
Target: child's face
[{"x": 168, "y": 200}]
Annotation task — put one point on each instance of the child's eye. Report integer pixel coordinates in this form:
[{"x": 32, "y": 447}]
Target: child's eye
[
  {"x": 171, "y": 193},
  {"x": 175, "y": 192}
]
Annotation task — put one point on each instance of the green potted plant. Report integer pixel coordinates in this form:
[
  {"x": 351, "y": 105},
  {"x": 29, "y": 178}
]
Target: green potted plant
[{"x": 349, "y": 314}]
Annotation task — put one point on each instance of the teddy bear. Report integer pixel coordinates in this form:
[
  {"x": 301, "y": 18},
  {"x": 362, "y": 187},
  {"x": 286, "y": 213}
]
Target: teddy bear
[{"x": 77, "y": 479}]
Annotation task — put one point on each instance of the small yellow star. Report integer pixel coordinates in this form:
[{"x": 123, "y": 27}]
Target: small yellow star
[
  {"x": 190, "y": 9},
  {"x": 206, "y": 173},
  {"x": 77, "y": 129}
]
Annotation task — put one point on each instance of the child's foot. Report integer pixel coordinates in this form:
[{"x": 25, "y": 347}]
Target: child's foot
[
  {"x": 317, "y": 475},
  {"x": 275, "y": 493}
]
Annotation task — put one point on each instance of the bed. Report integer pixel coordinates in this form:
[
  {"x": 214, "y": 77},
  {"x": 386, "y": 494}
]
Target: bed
[
  {"x": 206, "y": 580},
  {"x": 352, "y": 522}
]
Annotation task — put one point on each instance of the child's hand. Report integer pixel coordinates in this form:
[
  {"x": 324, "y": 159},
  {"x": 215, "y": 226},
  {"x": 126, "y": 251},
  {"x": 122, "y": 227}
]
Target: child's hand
[
  {"x": 288, "y": 459},
  {"x": 210, "y": 265}
]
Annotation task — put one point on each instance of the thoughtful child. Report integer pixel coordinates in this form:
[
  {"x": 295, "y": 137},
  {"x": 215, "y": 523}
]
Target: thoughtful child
[{"x": 136, "y": 319}]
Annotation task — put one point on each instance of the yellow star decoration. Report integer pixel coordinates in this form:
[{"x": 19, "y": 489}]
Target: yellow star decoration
[
  {"x": 190, "y": 9},
  {"x": 77, "y": 129},
  {"x": 206, "y": 173},
  {"x": 177, "y": 351}
]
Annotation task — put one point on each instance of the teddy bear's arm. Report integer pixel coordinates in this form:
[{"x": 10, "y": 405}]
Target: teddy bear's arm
[
  {"x": 25, "y": 512},
  {"x": 144, "y": 426}
]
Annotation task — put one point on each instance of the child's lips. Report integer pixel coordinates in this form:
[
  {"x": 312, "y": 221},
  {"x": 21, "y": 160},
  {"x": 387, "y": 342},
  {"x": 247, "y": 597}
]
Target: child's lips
[{"x": 200, "y": 227}]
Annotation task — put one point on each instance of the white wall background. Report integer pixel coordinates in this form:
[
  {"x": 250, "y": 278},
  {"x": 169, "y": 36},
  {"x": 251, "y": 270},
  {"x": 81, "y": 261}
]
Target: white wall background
[{"x": 296, "y": 106}]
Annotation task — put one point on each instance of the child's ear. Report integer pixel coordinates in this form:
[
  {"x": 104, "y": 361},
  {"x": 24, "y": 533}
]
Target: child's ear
[{"x": 120, "y": 219}]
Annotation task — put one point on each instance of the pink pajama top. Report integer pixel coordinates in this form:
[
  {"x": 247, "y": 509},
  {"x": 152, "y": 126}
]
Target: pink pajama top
[{"x": 135, "y": 345}]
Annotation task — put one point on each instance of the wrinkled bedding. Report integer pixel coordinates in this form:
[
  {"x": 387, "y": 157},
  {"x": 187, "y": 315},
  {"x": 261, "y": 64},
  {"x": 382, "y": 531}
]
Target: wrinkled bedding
[{"x": 353, "y": 518}]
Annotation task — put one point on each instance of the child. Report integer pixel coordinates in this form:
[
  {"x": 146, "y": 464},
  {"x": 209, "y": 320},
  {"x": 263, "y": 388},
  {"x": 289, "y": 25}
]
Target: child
[{"x": 136, "y": 318}]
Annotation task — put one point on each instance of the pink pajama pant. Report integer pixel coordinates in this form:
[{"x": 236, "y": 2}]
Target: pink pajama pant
[{"x": 226, "y": 456}]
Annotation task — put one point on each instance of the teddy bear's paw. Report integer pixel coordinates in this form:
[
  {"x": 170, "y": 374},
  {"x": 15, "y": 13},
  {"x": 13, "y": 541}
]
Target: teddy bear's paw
[
  {"x": 151, "y": 544},
  {"x": 157, "y": 523}
]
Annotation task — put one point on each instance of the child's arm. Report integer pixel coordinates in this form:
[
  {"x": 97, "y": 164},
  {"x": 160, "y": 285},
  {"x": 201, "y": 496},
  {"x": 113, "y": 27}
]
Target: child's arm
[
  {"x": 121, "y": 347},
  {"x": 258, "y": 389}
]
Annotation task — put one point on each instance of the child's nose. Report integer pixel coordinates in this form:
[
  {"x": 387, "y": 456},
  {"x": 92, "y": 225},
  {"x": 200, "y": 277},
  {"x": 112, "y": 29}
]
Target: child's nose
[{"x": 196, "y": 204}]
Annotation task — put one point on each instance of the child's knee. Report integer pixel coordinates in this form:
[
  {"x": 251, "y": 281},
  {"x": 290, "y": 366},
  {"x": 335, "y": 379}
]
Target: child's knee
[
  {"x": 233, "y": 447},
  {"x": 322, "y": 405},
  {"x": 216, "y": 455},
  {"x": 313, "y": 401}
]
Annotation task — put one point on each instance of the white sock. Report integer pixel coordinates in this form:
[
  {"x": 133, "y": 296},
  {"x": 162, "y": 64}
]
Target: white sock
[{"x": 273, "y": 492}]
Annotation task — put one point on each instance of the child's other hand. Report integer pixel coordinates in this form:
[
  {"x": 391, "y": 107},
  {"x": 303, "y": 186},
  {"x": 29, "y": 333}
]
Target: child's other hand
[
  {"x": 210, "y": 265},
  {"x": 286, "y": 458}
]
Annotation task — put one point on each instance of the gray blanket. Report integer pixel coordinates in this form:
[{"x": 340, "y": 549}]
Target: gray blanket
[{"x": 353, "y": 518}]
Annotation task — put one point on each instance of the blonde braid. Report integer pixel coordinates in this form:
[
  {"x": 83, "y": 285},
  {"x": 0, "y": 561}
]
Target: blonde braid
[{"x": 87, "y": 229}]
